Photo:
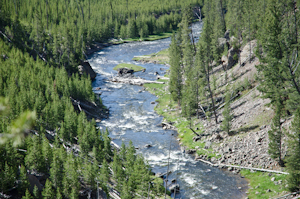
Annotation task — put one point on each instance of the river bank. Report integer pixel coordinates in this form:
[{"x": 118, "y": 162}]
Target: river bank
[
  {"x": 132, "y": 118},
  {"x": 246, "y": 146}
]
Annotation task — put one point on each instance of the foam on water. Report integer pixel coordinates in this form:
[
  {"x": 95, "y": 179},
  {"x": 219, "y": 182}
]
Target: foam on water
[{"x": 132, "y": 118}]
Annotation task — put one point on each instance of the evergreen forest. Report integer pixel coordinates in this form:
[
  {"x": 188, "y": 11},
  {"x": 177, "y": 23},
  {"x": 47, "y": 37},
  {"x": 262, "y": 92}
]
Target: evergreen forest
[
  {"x": 227, "y": 27},
  {"x": 46, "y": 137}
]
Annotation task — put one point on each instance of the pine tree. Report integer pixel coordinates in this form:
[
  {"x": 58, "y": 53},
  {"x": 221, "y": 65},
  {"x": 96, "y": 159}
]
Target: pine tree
[
  {"x": 107, "y": 147},
  {"x": 226, "y": 123},
  {"x": 8, "y": 178},
  {"x": 56, "y": 170},
  {"x": 293, "y": 160},
  {"x": 205, "y": 55},
  {"x": 175, "y": 84},
  {"x": 117, "y": 167},
  {"x": 104, "y": 176},
  {"x": 47, "y": 155},
  {"x": 132, "y": 31},
  {"x": 36, "y": 192},
  {"x": 27, "y": 195},
  {"x": 47, "y": 193},
  {"x": 276, "y": 134},
  {"x": 58, "y": 193},
  {"x": 24, "y": 180}
]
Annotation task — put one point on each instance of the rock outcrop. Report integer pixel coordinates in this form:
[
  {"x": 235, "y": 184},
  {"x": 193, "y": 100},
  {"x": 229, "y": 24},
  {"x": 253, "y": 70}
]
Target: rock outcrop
[
  {"x": 85, "y": 68},
  {"x": 125, "y": 73}
]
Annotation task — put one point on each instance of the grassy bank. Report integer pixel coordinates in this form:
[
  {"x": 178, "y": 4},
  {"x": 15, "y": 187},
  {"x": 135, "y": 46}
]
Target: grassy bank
[
  {"x": 161, "y": 57},
  {"x": 265, "y": 185},
  {"x": 129, "y": 66},
  {"x": 148, "y": 38},
  {"x": 261, "y": 185},
  {"x": 169, "y": 110}
]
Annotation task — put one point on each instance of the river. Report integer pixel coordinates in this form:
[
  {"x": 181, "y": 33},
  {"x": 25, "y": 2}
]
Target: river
[{"x": 132, "y": 117}]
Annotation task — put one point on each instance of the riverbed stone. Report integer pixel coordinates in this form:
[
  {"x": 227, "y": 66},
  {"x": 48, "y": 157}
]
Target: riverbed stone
[
  {"x": 190, "y": 151},
  {"x": 174, "y": 188},
  {"x": 208, "y": 145},
  {"x": 273, "y": 179}
]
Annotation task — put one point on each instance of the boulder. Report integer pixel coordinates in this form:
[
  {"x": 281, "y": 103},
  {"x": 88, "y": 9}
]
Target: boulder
[
  {"x": 232, "y": 57},
  {"x": 207, "y": 145},
  {"x": 174, "y": 187},
  {"x": 125, "y": 72},
  {"x": 190, "y": 151},
  {"x": 86, "y": 68},
  {"x": 224, "y": 60},
  {"x": 273, "y": 179},
  {"x": 222, "y": 43}
]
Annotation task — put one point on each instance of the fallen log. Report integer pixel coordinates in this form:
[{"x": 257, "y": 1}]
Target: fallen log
[
  {"x": 194, "y": 132},
  {"x": 162, "y": 77},
  {"x": 241, "y": 167},
  {"x": 169, "y": 126},
  {"x": 147, "y": 57},
  {"x": 134, "y": 81}
]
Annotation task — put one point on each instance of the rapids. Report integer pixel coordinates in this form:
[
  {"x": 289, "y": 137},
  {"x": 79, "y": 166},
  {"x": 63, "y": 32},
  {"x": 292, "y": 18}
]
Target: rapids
[{"x": 132, "y": 117}]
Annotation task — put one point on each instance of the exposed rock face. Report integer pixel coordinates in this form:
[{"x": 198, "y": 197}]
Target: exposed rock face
[
  {"x": 226, "y": 35},
  {"x": 232, "y": 59},
  {"x": 222, "y": 43},
  {"x": 86, "y": 68},
  {"x": 33, "y": 181},
  {"x": 125, "y": 72},
  {"x": 224, "y": 60}
]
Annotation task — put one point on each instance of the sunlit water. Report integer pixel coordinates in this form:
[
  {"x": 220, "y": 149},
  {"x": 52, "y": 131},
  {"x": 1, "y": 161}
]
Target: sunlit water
[{"x": 132, "y": 118}]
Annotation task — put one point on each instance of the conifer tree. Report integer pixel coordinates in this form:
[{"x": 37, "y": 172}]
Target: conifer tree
[
  {"x": 56, "y": 170},
  {"x": 132, "y": 31},
  {"x": 58, "y": 193},
  {"x": 107, "y": 147},
  {"x": 175, "y": 84},
  {"x": 276, "y": 134},
  {"x": 226, "y": 123},
  {"x": 205, "y": 55},
  {"x": 293, "y": 160},
  {"x": 47, "y": 192},
  {"x": 104, "y": 176},
  {"x": 27, "y": 195},
  {"x": 8, "y": 178},
  {"x": 36, "y": 192},
  {"x": 118, "y": 171},
  {"x": 24, "y": 180}
]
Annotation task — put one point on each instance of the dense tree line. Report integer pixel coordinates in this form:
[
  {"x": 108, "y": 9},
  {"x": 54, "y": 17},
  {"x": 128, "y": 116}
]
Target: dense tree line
[
  {"x": 41, "y": 44},
  {"x": 275, "y": 26},
  {"x": 33, "y": 85},
  {"x": 60, "y": 31}
]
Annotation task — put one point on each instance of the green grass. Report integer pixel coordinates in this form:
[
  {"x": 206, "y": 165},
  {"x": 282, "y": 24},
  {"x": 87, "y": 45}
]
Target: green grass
[
  {"x": 162, "y": 57},
  {"x": 260, "y": 182},
  {"x": 148, "y": 38},
  {"x": 168, "y": 109},
  {"x": 129, "y": 66}
]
